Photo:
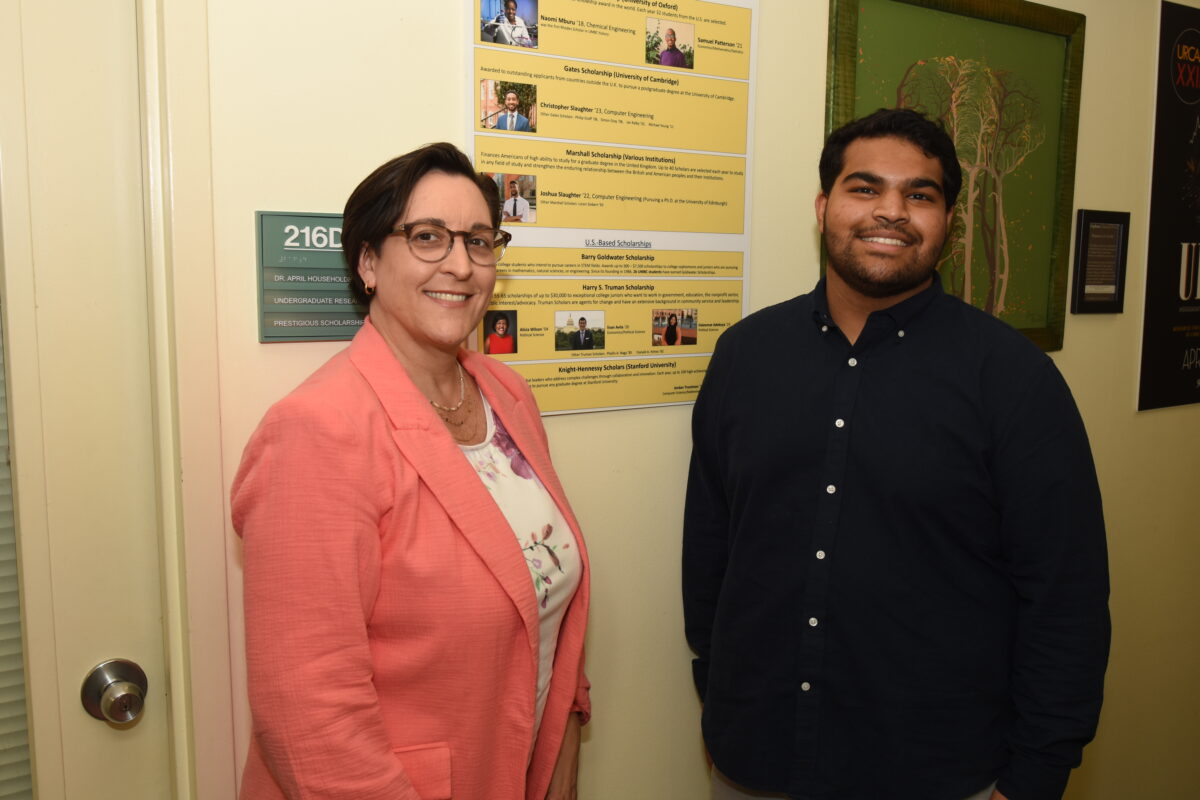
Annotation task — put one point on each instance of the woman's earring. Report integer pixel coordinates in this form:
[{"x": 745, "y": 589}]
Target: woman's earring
[{"x": 370, "y": 290}]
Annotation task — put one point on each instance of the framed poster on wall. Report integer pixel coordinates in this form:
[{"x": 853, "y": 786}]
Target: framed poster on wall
[{"x": 1170, "y": 374}]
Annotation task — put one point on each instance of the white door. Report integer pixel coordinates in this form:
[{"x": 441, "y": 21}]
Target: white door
[{"x": 94, "y": 422}]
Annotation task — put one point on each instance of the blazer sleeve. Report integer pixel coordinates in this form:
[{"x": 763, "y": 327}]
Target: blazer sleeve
[{"x": 307, "y": 501}]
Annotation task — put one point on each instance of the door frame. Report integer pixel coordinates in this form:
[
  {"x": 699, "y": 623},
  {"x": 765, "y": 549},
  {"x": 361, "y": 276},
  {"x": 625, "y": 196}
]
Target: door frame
[{"x": 173, "y": 40}]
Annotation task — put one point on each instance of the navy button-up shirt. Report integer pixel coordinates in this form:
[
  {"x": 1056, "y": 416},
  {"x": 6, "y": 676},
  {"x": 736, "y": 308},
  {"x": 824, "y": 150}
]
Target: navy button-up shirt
[{"x": 894, "y": 569}]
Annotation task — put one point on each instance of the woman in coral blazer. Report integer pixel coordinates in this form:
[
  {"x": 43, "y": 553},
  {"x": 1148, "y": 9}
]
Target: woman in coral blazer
[{"x": 405, "y": 640}]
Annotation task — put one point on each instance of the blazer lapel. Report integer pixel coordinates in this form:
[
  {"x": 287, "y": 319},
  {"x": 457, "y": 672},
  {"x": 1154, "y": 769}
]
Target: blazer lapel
[{"x": 425, "y": 443}]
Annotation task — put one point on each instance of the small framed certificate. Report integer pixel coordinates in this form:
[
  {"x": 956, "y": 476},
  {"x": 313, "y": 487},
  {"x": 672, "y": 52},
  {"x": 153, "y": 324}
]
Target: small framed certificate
[{"x": 1101, "y": 248}]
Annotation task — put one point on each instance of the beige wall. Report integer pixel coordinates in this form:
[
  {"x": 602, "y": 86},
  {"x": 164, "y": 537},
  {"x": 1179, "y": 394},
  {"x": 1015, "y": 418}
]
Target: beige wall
[
  {"x": 1148, "y": 462},
  {"x": 305, "y": 100}
]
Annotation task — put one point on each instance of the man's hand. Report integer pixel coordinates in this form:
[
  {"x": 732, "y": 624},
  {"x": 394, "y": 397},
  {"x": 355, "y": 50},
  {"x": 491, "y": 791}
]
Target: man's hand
[
  {"x": 997, "y": 796},
  {"x": 566, "y": 769}
]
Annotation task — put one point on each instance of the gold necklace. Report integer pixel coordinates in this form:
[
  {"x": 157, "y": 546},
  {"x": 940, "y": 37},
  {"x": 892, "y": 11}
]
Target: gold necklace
[
  {"x": 445, "y": 414},
  {"x": 462, "y": 393}
]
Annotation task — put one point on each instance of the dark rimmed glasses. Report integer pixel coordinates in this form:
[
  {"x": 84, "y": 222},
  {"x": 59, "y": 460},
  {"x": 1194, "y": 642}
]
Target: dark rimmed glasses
[{"x": 432, "y": 242}]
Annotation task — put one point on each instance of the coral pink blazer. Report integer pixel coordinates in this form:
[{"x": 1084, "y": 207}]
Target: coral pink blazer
[{"x": 391, "y": 621}]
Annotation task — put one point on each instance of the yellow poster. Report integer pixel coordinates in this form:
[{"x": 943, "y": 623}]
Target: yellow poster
[
  {"x": 597, "y": 385},
  {"x": 575, "y": 100},
  {"x": 598, "y": 186},
  {"x": 618, "y": 262},
  {"x": 713, "y": 38},
  {"x": 612, "y": 317},
  {"x": 616, "y": 133}
]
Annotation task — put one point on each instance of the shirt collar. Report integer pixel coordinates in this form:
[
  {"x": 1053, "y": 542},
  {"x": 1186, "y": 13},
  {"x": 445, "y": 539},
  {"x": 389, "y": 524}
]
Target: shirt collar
[{"x": 901, "y": 313}]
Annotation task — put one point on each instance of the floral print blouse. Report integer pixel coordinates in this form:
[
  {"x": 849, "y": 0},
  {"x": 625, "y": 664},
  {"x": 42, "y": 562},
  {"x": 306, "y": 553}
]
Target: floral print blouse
[{"x": 545, "y": 538}]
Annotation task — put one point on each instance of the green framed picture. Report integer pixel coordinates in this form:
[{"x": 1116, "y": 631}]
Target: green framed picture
[{"x": 1003, "y": 78}]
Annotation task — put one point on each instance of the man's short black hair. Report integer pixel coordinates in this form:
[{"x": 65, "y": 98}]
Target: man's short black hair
[{"x": 902, "y": 123}]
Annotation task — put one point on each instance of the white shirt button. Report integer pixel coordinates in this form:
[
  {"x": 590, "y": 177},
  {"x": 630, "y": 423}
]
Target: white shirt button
[
  {"x": 840, "y": 423},
  {"x": 824, "y": 329},
  {"x": 804, "y": 687},
  {"x": 820, "y": 555},
  {"x": 812, "y": 622},
  {"x": 853, "y": 362},
  {"x": 900, "y": 334},
  {"x": 830, "y": 489}
]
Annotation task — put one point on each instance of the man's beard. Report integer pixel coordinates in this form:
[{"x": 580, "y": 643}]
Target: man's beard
[{"x": 855, "y": 274}]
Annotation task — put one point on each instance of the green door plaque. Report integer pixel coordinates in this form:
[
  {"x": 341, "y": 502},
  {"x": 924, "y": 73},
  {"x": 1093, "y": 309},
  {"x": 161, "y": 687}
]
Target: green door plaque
[{"x": 303, "y": 289}]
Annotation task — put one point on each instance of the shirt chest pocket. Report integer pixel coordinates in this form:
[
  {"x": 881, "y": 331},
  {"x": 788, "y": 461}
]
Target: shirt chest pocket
[{"x": 428, "y": 768}]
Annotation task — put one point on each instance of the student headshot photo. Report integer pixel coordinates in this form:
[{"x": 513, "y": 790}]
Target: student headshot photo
[
  {"x": 507, "y": 106},
  {"x": 501, "y": 338},
  {"x": 573, "y": 331},
  {"x": 674, "y": 326},
  {"x": 509, "y": 24},
  {"x": 511, "y": 119},
  {"x": 518, "y": 197},
  {"x": 516, "y": 208},
  {"x": 670, "y": 44},
  {"x": 583, "y": 340}
]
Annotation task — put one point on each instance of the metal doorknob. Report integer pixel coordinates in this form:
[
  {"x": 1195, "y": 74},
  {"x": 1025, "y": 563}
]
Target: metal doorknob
[{"x": 115, "y": 690}]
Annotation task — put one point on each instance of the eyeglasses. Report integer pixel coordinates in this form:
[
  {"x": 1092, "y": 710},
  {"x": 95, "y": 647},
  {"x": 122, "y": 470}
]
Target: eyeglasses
[{"x": 431, "y": 242}]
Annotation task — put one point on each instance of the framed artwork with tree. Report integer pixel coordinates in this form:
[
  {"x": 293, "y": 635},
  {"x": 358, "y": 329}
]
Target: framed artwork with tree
[{"x": 1003, "y": 78}]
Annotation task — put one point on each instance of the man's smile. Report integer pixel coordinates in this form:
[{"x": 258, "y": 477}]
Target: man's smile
[{"x": 884, "y": 240}]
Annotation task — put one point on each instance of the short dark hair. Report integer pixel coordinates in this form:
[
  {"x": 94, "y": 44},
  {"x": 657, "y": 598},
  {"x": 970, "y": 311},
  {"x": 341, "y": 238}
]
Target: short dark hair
[
  {"x": 376, "y": 204},
  {"x": 902, "y": 123}
]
